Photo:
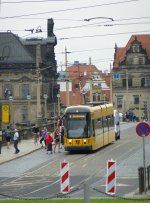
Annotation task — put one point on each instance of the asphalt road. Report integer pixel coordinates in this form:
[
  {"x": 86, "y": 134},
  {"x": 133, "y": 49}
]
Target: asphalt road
[{"x": 37, "y": 175}]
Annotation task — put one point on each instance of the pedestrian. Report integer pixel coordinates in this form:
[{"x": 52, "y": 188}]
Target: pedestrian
[
  {"x": 43, "y": 136},
  {"x": 16, "y": 139},
  {"x": 57, "y": 140},
  {"x": 127, "y": 116},
  {"x": 49, "y": 140},
  {"x": 59, "y": 123},
  {"x": 36, "y": 132},
  {"x": 61, "y": 136},
  {"x": 8, "y": 136}
]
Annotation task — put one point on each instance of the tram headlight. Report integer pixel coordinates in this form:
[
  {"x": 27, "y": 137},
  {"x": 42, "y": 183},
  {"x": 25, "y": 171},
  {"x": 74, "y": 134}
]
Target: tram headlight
[
  {"x": 84, "y": 141},
  {"x": 70, "y": 141}
]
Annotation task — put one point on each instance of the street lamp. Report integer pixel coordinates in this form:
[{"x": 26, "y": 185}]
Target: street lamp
[
  {"x": 74, "y": 95},
  {"x": 29, "y": 98},
  {"x": 38, "y": 107},
  {"x": 83, "y": 92},
  {"x": 11, "y": 109},
  {"x": 45, "y": 104},
  {"x": 67, "y": 93},
  {"x": 58, "y": 96}
]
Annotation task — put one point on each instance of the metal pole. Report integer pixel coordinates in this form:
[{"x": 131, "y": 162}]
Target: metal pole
[
  {"x": 127, "y": 91},
  {"x": 67, "y": 93},
  {"x": 45, "y": 102},
  {"x": 11, "y": 112},
  {"x": 29, "y": 115},
  {"x": 91, "y": 87},
  {"x": 139, "y": 108},
  {"x": 66, "y": 60},
  {"x": 58, "y": 105},
  {"x": 86, "y": 193},
  {"x": 144, "y": 164},
  {"x": 54, "y": 116},
  {"x": 38, "y": 82},
  {"x": 111, "y": 93},
  {"x": 0, "y": 141}
]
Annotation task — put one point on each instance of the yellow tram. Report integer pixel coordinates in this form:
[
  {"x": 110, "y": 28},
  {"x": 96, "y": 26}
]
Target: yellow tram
[{"x": 89, "y": 127}]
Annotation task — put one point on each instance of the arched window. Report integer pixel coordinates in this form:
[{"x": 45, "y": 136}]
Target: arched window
[{"x": 8, "y": 90}]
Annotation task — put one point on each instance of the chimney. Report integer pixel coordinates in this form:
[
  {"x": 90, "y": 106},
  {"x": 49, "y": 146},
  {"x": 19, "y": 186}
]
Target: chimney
[
  {"x": 50, "y": 26},
  {"x": 90, "y": 61}
]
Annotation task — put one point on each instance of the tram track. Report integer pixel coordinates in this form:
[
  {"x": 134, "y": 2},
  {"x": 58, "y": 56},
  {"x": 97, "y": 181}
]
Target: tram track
[{"x": 90, "y": 167}]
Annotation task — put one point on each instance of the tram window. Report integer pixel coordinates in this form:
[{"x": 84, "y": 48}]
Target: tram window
[
  {"x": 111, "y": 122},
  {"x": 98, "y": 123},
  {"x": 105, "y": 124},
  {"x": 93, "y": 128},
  {"x": 77, "y": 128}
]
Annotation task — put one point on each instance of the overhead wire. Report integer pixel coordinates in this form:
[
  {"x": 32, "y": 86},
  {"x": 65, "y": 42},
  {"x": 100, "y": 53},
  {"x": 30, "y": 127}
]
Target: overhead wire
[
  {"x": 104, "y": 35},
  {"x": 98, "y": 24},
  {"x": 37, "y": 1},
  {"x": 70, "y": 9},
  {"x": 86, "y": 50}
]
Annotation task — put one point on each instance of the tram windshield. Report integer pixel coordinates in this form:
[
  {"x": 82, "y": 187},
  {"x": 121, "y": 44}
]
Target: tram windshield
[{"x": 77, "y": 126}]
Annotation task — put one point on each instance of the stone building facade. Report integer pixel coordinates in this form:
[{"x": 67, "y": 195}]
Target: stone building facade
[
  {"x": 131, "y": 77},
  {"x": 25, "y": 64}
]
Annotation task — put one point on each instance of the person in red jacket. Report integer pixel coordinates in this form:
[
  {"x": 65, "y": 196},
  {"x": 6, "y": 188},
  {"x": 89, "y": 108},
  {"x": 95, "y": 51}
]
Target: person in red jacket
[{"x": 49, "y": 140}]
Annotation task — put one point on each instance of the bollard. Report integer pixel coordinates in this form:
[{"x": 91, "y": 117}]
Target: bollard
[
  {"x": 148, "y": 176},
  {"x": 0, "y": 141},
  {"x": 86, "y": 193},
  {"x": 141, "y": 179}
]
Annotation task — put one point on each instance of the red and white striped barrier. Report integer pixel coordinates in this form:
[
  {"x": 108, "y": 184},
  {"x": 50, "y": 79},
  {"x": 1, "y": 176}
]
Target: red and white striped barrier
[
  {"x": 111, "y": 177},
  {"x": 64, "y": 173}
]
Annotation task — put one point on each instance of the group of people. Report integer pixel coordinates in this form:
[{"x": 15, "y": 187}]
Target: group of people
[
  {"x": 12, "y": 135},
  {"x": 43, "y": 137},
  {"x": 47, "y": 139},
  {"x": 130, "y": 116}
]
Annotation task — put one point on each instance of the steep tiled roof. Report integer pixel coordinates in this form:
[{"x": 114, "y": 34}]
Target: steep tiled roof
[
  {"x": 12, "y": 50},
  {"x": 79, "y": 70},
  {"x": 121, "y": 51}
]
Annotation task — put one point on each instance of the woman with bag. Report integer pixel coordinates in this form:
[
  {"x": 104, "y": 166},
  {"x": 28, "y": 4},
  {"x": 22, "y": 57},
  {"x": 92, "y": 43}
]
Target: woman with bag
[
  {"x": 57, "y": 140},
  {"x": 49, "y": 140},
  {"x": 8, "y": 136}
]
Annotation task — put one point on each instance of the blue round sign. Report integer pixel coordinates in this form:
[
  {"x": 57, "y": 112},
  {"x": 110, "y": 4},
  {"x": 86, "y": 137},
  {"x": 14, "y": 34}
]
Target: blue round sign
[{"x": 143, "y": 129}]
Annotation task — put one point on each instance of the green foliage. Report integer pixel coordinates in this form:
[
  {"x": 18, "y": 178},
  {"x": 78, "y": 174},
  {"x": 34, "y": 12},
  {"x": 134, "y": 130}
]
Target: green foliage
[{"x": 76, "y": 201}]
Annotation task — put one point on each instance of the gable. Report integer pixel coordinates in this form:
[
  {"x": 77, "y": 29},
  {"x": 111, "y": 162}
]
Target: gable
[{"x": 120, "y": 53}]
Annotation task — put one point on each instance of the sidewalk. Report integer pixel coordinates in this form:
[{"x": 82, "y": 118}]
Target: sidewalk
[{"x": 25, "y": 147}]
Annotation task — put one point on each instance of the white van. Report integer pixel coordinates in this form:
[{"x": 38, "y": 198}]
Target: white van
[{"x": 117, "y": 124}]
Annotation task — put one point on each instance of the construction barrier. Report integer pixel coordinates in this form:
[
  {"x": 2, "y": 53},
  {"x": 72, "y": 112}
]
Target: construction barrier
[
  {"x": 64, "y": 173},
  {"x": 111, "y": 177}
]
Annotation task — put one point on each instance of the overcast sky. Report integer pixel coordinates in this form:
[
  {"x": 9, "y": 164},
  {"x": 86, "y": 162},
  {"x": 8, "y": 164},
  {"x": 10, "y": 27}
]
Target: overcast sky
[{"x": 95, "y": 38}]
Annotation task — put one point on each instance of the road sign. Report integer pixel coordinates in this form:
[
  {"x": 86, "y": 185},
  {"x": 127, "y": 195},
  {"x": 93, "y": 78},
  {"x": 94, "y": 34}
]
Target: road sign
[
  {"x": 116, "y": 75},
  {"x": 64, "y": 183},
  {"x": 111, "y": 177},
  {"x": 143, "y": 129}
]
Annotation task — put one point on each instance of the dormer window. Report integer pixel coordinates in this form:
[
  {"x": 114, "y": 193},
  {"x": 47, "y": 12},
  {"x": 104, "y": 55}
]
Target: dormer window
[
  {"x": 141, "y": 60},
  {"x": 135, "y": 48}
]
